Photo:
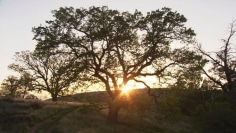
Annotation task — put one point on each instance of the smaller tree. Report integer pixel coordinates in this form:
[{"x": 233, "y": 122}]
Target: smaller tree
[
  {"x": 10, "y": 86},
  {"x": 26, "y": 83},
  {"x": 53, "y": 73},
  {"x": 222, "y": 72}
]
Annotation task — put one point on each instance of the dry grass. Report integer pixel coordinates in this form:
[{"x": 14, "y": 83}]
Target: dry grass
[
  {"x": 90, "y": 121},
  {"x": 82, "y": 114}
]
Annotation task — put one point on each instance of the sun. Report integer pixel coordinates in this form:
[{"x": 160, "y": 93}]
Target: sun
[{"x": 125, "y": 89}]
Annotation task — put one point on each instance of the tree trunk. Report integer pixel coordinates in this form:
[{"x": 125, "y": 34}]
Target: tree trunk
[
  {"x": 54, "y": 98},
  {"x": 24, "y": 93},
  {"x": 114, "y": 108},
  {"x": 232, "y": 96}
]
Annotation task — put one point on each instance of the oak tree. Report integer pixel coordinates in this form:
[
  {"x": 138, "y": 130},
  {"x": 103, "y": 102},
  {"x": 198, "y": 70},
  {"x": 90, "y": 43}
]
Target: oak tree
[
  {"x": 120, "y": 46},
  {"x": 53, "y": 73},
  {"x": 11, "y": 87}
]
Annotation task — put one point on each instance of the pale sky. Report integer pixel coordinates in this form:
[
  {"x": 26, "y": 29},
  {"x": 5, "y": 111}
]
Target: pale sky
[{"x": 209, "y": 18}]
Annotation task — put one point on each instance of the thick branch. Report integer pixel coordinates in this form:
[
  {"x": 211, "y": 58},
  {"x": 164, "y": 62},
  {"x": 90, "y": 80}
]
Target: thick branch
[
  {"x": 149, "y": 90},
  {"x": 209, "y": 56},
  {"x": 106, "y": 82},
  {"x": 215, "y": 81}
]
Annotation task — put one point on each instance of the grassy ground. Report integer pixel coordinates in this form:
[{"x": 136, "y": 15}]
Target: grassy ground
[{"x": 86, "y": 113}]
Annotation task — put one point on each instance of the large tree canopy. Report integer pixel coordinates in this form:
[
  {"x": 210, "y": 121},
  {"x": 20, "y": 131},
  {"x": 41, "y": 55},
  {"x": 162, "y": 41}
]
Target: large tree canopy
[{"x": 120, "y": 46}]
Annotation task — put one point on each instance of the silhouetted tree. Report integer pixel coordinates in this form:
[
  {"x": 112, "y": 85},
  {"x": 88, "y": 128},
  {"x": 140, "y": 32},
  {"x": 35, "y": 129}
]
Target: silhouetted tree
[
  {"x": 53, "y": 73},
  {"x": 10, "y": 86},
  {"x": 223, "y": 62},
  {"x": 120, "y": 46}
]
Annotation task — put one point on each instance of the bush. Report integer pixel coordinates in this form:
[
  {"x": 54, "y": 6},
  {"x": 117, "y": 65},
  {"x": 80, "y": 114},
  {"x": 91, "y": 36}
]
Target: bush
[
  {"x": 216, "y": 117},
  {"x": 190, "y": 99},
  {"x": 180, "y": 101},
  {"x": 168, "y": 104}
]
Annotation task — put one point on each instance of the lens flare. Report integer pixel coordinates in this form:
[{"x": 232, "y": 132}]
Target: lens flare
[{"x": 125, "y": 89}]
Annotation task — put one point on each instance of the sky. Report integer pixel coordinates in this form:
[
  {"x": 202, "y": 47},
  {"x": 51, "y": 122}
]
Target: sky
[{"x": 209, "y": 18}]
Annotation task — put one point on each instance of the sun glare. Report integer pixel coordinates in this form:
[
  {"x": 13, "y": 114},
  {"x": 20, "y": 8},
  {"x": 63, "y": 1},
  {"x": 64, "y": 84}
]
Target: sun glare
[{"x": 125, "y": 89}]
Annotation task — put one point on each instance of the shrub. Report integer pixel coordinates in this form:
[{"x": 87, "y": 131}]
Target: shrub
[{"x": 216, "y": 117}]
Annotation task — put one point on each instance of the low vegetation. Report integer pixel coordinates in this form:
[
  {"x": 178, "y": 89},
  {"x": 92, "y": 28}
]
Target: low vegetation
[{"x": 177, "y": 111}]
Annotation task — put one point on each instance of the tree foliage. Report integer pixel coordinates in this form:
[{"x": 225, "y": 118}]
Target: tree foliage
[
  {"x": 11, "y": 87},
  {"x": 120, "y": 46},
  {"x": 53, "y": 73}
]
